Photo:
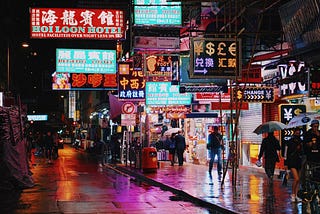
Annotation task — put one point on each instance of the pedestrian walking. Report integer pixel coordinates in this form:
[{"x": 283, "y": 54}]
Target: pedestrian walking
[
  {"x": 215, "y": 144},
  {"x": 269, "y": 149},
  {"x": 48, "y": 145},
  {"x": 180, "y": 146},
  {"x": 294, "y": 161},
  {"x": 312, "y": 143},
  {"x": 170, "y": 144}
]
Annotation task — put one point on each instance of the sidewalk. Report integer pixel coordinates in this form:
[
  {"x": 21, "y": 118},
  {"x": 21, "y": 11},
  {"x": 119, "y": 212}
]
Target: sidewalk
[{"x": 251, "y": 194}]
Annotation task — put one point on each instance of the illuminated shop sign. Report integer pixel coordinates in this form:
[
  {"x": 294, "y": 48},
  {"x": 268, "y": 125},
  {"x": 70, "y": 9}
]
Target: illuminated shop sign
[
  {"x": 287, "y": 112},
  {"x": 38, "y": 117},
  {"x": 149, "y": 42},
  {"x": 71, "y": 23},
  {"x": 72, "y": 81},
  {"x": 156, "y": 12},
  {"x": 131, "y": 83},
  {"x": 255, "y": 94},
  {"x": 215, "y": 58},
  {"x": 86, "y": 61},
  {"x": 293, "y": 78},
  {"x": 163, "y": 93},
  {"x": 162, "y": 68}
]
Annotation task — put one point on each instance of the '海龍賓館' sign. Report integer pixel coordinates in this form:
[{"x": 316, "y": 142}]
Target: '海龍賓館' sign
[{"x": 71, "y": 23}]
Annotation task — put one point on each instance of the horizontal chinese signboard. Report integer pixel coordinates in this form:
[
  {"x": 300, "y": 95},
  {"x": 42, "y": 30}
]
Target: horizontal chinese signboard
[
  {"x": 229, "y": 105},
  {"x": 162, "y": 68},
  {"x": 67, "y": 81},
  {"x": 150, "y": 42},
  {"x": 163, "y": 93},
  {"x": 215, "y": 58},
  {"x": 86, "y": 61},
  {"x": 255, "y": 94},
  {"x": 131, "y": 83},
  {"x": 156, "y": 12},
  {"x": 71, "y": 23},
  {"x": 37, "y": 117}
]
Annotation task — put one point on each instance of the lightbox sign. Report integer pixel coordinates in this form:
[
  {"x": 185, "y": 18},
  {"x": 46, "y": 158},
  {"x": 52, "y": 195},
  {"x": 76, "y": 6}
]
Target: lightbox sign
[
  {"x": 38, "y": 117},
  {"x": 131, "y": 83},
  {"x": 163, "y": 93},
  {"x": 74, "y": 81},
  {"x": 156, "y": 12},
  {"x": 294, "y": 79},
  {"x": 71, "y": 23},
  {"x": 162, "y": 68},
  {"x": 215, "y": 58},
  {"x": 86, "y": 61}
]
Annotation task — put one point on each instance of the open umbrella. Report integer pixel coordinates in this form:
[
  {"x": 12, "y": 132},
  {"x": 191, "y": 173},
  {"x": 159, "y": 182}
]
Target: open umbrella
[
  {"x": 270, "y": 126},
  {"x": 169, "y": 132},
  {"x": 303, "y": 119}
]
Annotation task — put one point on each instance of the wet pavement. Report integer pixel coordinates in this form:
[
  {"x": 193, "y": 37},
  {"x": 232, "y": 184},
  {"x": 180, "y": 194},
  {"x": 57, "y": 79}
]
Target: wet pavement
[
  {"x": 250, "y": 194},
  {"x": 74, "y": 183}
]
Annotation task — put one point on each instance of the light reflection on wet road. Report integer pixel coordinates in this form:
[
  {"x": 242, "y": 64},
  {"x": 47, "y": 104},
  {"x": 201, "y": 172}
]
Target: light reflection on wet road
[{"x": 75, "y": 184}]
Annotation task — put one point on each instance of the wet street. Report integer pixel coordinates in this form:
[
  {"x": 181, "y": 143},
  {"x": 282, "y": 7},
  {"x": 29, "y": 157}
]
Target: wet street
[{"x": 75, "y": 184}]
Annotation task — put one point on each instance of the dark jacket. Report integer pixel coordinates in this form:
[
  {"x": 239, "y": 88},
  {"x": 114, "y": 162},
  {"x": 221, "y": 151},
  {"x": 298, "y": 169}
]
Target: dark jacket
[
  {"x": 180, "y": 142},
  {"x": 269, "y": 148}
]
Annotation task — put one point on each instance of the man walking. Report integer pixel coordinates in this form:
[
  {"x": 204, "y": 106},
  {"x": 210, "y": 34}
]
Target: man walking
[
  {"x": 214, "y": 146},
  {"x": 180, "y": 146}
]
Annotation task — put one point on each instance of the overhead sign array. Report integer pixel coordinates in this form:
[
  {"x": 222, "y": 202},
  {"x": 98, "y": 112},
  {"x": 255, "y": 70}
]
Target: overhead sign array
[
  {"x": 255, "y": 94},
  {"x": 71, "y": 23}
]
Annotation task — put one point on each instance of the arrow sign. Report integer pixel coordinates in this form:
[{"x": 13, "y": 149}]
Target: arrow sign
[
  {"x": 204, "y": 71},
  {"x": 255, "y": 94}
]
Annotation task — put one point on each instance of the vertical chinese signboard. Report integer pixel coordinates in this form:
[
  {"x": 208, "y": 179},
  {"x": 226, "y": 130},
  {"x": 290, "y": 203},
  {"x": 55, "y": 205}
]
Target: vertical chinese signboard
[
  {"x": 71, "y": 23},
  {"x": 131, "y": 83},
  {"x": 215, "y": 58}
]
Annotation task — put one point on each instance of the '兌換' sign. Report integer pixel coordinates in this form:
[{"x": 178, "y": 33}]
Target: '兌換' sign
[{"x": 215, "y": 58}]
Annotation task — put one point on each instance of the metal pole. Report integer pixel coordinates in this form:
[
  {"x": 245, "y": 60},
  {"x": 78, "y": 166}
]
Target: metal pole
[{"x": 8, "y": 66}]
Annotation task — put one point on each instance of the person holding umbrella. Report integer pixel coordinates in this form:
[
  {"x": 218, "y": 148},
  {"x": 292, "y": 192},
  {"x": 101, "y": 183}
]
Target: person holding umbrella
[
  {"x": 269, "y": 149},
  {"x": 312, "y": 142}
]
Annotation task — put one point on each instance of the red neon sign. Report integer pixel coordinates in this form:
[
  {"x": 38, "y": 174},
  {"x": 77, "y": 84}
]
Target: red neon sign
[{"x": 77, "y": 23}]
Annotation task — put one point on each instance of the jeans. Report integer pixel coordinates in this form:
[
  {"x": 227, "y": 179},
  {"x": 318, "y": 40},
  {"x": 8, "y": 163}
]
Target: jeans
[{"x": 212, "y": 154}]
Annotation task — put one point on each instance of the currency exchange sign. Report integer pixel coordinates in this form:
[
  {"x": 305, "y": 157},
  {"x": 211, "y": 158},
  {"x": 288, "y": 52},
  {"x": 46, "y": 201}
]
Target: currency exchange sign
[
  {"x": 215, "y": 58},
  {"x": 255, "y": 94}
]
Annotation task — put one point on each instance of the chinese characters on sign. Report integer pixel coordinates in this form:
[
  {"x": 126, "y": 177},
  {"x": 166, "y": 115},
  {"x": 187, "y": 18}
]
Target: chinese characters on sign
[
  {"x": 315, "y": 82},
  {"x": 162, "y": 68},
  {"x": 77, "y": 23},
  {"x": 86, "y": 61},
  {"x": 93, "y": 81},
  {"x": 163, "y": 93},
  {"x": 216, "y": 58},
  {"x": 157, "y": 12},
  {"x": 131, "y": 83}
]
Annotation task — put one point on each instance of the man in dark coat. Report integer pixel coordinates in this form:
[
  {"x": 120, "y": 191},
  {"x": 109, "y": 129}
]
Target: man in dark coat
[{"x": 180, "y": 146}]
